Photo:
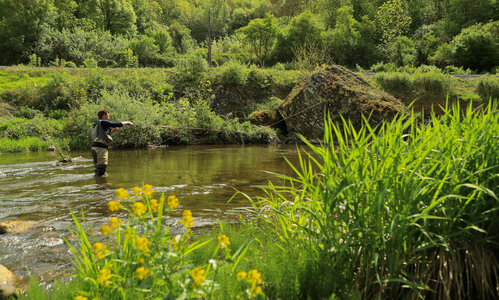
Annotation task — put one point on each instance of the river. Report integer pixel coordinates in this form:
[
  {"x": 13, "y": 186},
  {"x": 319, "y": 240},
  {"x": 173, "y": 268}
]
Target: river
[{"x": 39, "y": 193}]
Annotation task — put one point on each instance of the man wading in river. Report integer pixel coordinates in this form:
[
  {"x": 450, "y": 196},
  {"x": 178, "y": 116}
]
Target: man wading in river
[{"x": 101, "y": 139}]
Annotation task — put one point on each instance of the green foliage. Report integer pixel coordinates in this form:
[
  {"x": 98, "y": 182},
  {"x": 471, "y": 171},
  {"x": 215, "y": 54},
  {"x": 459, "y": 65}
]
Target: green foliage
[
  {"x": 79, "y": 45},
  {"x": 402, "y": 51},
  {"x": 475, "y": 48},
  {"x": 261, "y": 35},
  {"x": 228, "y": 49},
  {"x": 380, "y": 210},
  {"x": 234, "y": 73},
  {"x": 191, "y": 69},
  {"x": 142, "y": 258},
  {"x": 394, "y": 82},
  {"x": 303, "y": 30},
  {"x": 488, "y": 87},
  {"x": 20, "y": 27},
  {"x": 392, "y": 21}
]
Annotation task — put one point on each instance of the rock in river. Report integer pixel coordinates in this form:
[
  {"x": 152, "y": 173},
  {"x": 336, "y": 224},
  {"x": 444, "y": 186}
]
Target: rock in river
[
  {"x": 10, "y": 284},
  {"x": 337, "y": 91},
  {"x": 16, "y": 226}
]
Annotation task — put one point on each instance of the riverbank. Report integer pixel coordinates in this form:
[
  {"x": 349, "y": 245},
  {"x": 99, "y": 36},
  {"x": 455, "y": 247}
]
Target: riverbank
[{"x": 56, "y": 106}]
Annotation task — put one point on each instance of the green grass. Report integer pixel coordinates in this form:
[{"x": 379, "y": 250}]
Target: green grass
[
  {"x": 395, "y": 212},
  {"x": 23, "y": 144}
]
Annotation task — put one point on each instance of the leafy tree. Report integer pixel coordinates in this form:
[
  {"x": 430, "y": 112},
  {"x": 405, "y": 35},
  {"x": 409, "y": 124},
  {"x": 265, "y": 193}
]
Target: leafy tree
[
  {"x": 464, "y": 13},
  {"x": 475, "y": 48},
  {"x": 345, "y": 37},
  {"x": 261, "y": 35},
  {"x": 146, "y": 51},
  {"x": 426, "y": 44},
  {"x": 392, "y": 21},
  {"x": 77, "y": 45},
  {"x": 117, "y": 16},
  {"x": 402, "y": 51},
  {"x": 198, "y": 20},
  {"x": 21, "y": 24},
  {"x": 148, "y": 13},
  {"x": 352, "y": 42},
  {"x": 304, "y": 30},
  {"x": 65, "y": 14}
]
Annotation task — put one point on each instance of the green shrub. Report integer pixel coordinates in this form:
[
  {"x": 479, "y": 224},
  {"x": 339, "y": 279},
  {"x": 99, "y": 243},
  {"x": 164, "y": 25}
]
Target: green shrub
[
  {"x": 475, "y": 48},
  {"x": 234, "y": 73},
  {"x": 394, "y": 82},
  {"x": 431, "y": 84},
  {"x": 23, "y": 144},
  {"x": 488, "y": 87}
]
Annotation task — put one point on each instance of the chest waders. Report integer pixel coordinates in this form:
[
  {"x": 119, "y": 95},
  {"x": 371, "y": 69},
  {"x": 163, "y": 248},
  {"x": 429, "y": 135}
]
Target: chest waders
[{"x": 100, "y": 141}]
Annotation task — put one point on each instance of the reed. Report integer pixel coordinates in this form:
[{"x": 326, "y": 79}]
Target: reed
[{"x": 398, "y": 211}]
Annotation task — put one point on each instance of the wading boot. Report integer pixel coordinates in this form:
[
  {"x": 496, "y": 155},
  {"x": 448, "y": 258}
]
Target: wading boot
[{"x": 100, "y": 170}]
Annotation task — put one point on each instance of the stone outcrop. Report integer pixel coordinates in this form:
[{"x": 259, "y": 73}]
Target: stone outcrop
[
  {"x": 16, "y": 226},
  {"x": 10, "y": 284},
  {"x": 335, "y": 91}
]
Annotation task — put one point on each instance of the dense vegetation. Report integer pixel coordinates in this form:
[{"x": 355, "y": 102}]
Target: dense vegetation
[
  {"x": 287, "y": 34},
  {"x": 407, "y": 210}
]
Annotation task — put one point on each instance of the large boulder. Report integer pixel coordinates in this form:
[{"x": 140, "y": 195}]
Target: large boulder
[{"x": 335, "y": 91}]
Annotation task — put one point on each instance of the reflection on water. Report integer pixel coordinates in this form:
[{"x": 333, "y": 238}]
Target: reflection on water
[{"x": 34, "y": 188}]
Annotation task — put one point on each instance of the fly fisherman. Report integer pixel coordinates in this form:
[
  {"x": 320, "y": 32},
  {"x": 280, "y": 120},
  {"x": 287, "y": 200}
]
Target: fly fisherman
[{"x": 101, "y": 139}]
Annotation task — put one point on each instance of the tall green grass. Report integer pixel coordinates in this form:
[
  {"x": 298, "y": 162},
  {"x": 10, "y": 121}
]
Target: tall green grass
[
  {"x": 23, "y": 144},
  {"x": 404, "y": 210}
]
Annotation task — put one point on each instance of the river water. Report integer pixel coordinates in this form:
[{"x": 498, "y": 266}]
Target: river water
[{"x": 38, "y": 193}]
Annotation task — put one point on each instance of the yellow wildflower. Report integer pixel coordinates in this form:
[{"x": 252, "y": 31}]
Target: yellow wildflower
[
  {"x": 241, "y": 275},
  {"x": 142, "y": 243},
  {"x": 115, "y": 222},
  {"x": 224, "y": 241},
  {"x": 172, "y": 202},
  {"x": 139, "y": 208},
  {"x": 81, "y": 298},
  {"x": 121, "y": 194},
  {"x": 142, "y": 272},
  {"x": 198, "y": 277},
  {"x": 255, "y": 290},
  {"x": 255, "y": 277},
  {"x": 140, "y": 260},
  {"x": 154, "y": 205},
  {"x": 187, "y": 218},
  {"x": 147, "y": 190},
  {"x": 137, "y": 191},
  {"x": 99, "y": 250},
  {"x": 114, "y": 205},
  {"x": 104, "y": 276},
  {"x": 105, "y": 230}
]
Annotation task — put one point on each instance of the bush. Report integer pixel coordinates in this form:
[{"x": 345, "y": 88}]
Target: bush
[
  {"x": 488, "y": 87},
  {"x": 475, "y": 48},
  {"x": 191, "y": 69},
  {"x": 234, "y": 73},
  {"x": 431, "y": 84},
  {"x": 394, "y": 82}
]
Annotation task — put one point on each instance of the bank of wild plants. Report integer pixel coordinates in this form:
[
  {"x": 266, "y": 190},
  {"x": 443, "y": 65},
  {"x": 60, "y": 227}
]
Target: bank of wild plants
[{"x": 403, "y": 211}]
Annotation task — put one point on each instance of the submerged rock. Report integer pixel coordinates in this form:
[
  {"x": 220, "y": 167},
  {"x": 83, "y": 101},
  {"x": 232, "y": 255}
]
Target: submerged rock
[
  {"x": 10, "y": 284},
  {"x": 335, "y": 91},
  {"x": 16, "y": 226}
]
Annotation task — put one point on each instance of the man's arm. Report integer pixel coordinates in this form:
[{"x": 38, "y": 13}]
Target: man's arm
[{"x": 124, "y": 123}]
